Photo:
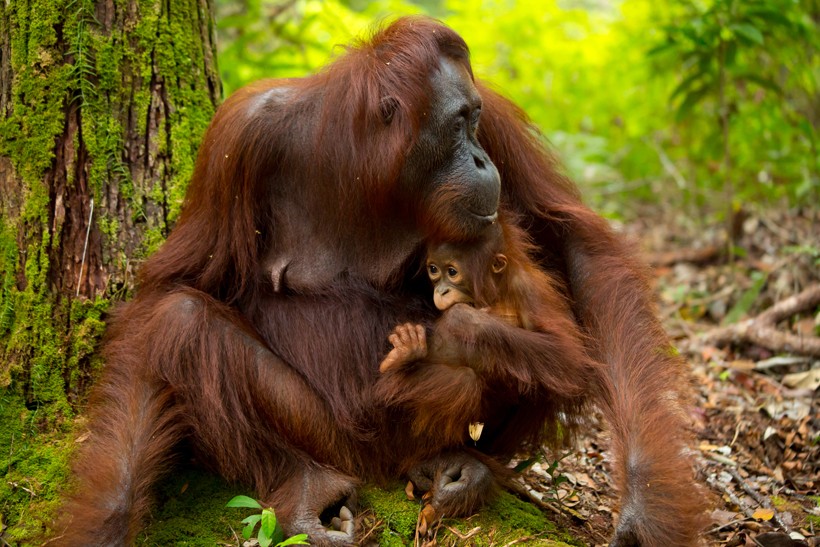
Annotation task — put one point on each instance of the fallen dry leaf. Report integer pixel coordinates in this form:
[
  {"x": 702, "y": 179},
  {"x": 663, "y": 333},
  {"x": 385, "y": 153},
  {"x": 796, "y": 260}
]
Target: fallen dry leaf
[
  {"x": 809, "y": 379},
  {"x": 763, "y": 513}
]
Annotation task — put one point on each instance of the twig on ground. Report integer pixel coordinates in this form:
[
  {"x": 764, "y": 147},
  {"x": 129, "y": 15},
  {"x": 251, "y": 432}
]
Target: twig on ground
[
  {"x": 761, "y": 330},
  {"x": 780, "y": 361},
  {"x": 725, "y": 525},
  {"x": 464, "y": 537},
  {"x": 764, "y": 502},
  {"x": 717, "y": 485},
  {"x": 418, "y": 524},
  {"x": 373, "y": 528},
  {"x": 719, "y": 458},
  {"x": 522, "y": 540}
]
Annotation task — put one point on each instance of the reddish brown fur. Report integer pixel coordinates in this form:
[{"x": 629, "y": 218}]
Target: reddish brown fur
[
  {"x": 488, "y": 369},
  {"x": 645, "y": 382},
  {"x": 275, "y": 389}
]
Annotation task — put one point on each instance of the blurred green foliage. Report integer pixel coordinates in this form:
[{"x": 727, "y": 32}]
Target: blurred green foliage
[{"x": 699, "y": 105}]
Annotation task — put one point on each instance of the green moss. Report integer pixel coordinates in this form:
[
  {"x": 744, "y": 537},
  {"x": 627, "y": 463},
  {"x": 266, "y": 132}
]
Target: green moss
[
  {"x": 151, "y": 241},
  {"x": 506, "y": 519},
  {"x": 109, "y": 226},
  {"x": 190, "y": 509},
  {"x": 397, "y": 514},
  {"x": 34, "y": 469},
  {"x": 814, "y": 520},
  {"x": 32, "y": 322},
  {"x": 191, "y": 512},
  {"x": 8, "y": 289},
  {"x": 61, "y": 56},
  {"x": 84, "y": 339}
]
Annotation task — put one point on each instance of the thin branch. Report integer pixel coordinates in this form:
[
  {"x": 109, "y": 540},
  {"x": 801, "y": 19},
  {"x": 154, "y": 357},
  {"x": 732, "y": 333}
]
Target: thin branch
[
  {"x": 759, "y": 499},
  {"x": 761, "y": 330},
  {"x": 85, "y": 247},
  {"x": 717, "y": 485}
]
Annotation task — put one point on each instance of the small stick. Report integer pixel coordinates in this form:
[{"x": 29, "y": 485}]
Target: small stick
[
  {"x": 85, "y": 247},
  {"x": 759, "y": 499},
  {"x": 714, "y": 483}
]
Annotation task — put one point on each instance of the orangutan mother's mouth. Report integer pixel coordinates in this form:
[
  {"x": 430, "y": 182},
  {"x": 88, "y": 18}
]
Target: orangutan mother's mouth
[{"x": 489, "y": 219}]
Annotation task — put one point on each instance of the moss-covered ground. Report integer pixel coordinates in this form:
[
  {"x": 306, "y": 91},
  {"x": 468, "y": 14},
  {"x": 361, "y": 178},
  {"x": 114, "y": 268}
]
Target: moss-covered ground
[
  {"x": 191, "y": 512},
  {"x": 190, "y": 509},
  {"x": 34, "y": 469}
]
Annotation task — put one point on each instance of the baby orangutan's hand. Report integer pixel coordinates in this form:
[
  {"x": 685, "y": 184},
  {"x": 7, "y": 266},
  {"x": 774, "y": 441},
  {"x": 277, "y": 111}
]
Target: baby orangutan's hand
[{"x": 409, "y": 344}]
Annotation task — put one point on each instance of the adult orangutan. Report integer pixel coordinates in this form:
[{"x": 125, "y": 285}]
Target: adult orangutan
[{"x": 258, "y": 328}]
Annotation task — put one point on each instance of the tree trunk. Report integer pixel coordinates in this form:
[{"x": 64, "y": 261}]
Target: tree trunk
[{"x": 102, "y": 107}]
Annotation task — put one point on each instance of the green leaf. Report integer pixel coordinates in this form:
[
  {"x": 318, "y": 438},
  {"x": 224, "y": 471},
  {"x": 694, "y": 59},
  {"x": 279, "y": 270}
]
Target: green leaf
[
  {"x": 268, "y": 522},
  {"x": 244, "y": 501},
  {"x": 523, "y": 465},
  {"x": 731, "y": 53},
  {"x": 771, "y": 17},
  {"x": 263, "y": 538},
  {"x": 251, "y": 521},
  {"x": 687, "y": 84},
  {"x": 766, "y": 83},
  {"x": 278, "y": 534},
  {"x": 660, "y": 49},
  {"x": 746, "y": 301},
  {"x": 299, "y": 539},
  {"x": 560, "y": 479},
  {"x": 748, "y": 31},
  {"x": 691, "y": 100}
]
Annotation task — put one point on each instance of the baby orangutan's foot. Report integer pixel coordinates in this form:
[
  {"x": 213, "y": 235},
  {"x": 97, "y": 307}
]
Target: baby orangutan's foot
[{"x": 409, "y": 344}]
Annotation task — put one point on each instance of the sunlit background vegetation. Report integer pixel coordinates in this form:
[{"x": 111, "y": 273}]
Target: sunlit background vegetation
[{"x": 701, "y": 106}]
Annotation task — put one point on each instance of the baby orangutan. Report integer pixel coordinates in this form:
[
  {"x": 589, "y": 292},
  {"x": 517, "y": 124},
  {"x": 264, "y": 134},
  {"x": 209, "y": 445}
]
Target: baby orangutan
[
  {"x": 491, "y": 290},
  {"x": 456, "y": 271}
]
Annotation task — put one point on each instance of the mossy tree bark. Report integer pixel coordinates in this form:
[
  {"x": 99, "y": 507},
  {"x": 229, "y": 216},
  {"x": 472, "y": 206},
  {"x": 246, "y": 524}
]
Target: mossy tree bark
[
  {"x": 102, "y": 107},
  {"x": 103, "y": 104}
]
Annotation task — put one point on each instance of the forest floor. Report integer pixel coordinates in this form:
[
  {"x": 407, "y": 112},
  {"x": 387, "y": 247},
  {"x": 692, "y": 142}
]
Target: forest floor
[{"x": 755, "y": 413}]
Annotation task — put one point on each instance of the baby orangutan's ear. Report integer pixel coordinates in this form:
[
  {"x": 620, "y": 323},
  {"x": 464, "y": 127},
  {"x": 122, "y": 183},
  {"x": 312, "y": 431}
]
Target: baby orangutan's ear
[{"x": 499, "y": 263}]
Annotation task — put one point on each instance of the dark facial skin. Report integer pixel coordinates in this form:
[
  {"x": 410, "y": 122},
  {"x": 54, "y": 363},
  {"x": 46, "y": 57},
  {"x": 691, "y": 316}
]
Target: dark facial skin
[
  {"x": 448, "y": 154},
  {"x": 460, "y": 110}
]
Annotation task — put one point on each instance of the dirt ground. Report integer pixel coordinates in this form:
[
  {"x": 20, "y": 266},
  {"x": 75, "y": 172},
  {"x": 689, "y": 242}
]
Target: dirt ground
[{"x": 749, "y": 329}]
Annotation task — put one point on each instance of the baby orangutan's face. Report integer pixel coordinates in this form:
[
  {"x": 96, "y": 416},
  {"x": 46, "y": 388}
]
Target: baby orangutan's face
[
  {"x": 452, "y": 282},
  {"x": 450, "y": 285}
]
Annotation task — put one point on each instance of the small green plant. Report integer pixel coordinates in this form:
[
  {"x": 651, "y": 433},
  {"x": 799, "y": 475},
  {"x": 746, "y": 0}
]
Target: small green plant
[
  {"x": 558, "y": 478},
  {"x": 270, "y": 533},
  {"x": 747, "y": 299}
]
